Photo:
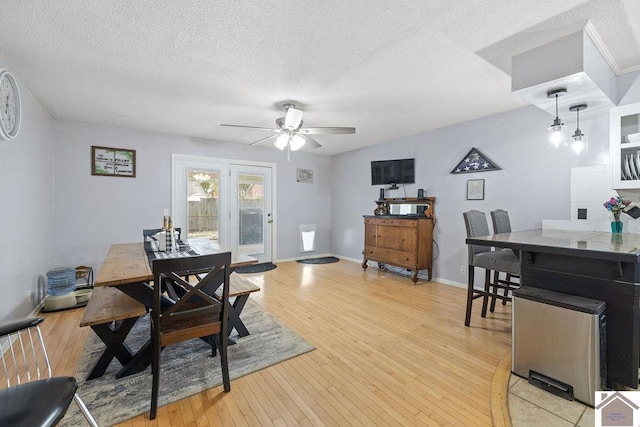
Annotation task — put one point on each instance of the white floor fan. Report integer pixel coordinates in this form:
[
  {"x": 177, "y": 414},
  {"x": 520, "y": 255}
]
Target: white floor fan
[{"x": 290, "y": 134}]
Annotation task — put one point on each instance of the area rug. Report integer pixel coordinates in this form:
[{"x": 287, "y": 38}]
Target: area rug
[
  {"x": 321, "y": 260},
  {"x": 186, "y": 368},
  {"x": 255, "y": 268}
]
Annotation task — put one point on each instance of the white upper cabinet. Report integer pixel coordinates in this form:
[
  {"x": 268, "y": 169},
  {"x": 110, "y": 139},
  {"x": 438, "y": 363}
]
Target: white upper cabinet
[{"x": 625, "y": 146}]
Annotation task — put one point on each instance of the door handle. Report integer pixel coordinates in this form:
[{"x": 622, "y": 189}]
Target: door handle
[{"x": 269, "y": 220}]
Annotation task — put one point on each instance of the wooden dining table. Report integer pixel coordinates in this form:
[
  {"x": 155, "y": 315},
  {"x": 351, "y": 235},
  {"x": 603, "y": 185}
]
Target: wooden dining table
[{"x": 127, "y": 268}]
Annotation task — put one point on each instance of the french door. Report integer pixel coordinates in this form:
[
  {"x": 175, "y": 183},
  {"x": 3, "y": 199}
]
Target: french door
[
  {"x": 251, "y": 211},
  {"x": 227, "y": 201}
]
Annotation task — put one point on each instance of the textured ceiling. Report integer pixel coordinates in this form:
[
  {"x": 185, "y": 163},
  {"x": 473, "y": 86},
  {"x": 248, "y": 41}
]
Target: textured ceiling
[{"x": 389, "y": 69}]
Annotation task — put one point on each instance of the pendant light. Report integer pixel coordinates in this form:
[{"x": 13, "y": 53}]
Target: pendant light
[
  {"x": 579, "y": 143},
  {"x": 555, "y": 132}
]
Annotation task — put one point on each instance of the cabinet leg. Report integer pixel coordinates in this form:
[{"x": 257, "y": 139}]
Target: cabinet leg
[
  {"x": 414, "y": 277},
  {"x": 364, "y": 264}
]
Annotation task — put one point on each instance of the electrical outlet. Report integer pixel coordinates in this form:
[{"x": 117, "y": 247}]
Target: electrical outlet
[{"x": 463, "y": 269}]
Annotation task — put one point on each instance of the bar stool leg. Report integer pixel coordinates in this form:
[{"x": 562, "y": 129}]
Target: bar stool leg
[{"x": 470, "y": 273}]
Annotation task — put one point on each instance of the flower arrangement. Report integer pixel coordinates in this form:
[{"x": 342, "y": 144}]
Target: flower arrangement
[{"x": 615, "y": 205}]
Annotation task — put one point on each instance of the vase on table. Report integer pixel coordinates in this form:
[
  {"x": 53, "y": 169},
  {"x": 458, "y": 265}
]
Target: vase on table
[{"x": 616, "y": 224}]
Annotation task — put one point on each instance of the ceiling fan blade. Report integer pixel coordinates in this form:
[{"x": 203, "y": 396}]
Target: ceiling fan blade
[
  {"x": 293, "y": 119},
  {"x": 310, "y": 142},
  {"x": 264, "y": 139},
  {"x": 252, "y": 127},
  {"x": 326, "y": 130}
]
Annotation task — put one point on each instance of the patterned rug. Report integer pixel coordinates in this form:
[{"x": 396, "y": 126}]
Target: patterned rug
[
  {"x": 321, "y": 260},
  {"x": 255, "y": 268},
  {"x": 186, "y": 368}
]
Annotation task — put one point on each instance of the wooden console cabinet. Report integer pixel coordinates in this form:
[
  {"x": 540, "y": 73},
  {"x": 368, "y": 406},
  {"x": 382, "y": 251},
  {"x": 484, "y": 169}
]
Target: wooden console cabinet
[{"x": 401, "y": 240}]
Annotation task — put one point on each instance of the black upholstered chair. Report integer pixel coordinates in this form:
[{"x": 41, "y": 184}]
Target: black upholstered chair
[
  {"x": 502, "y": 224},
  {"x": 196, "y": 313},
  {"x": 32, "y": 397},
  {"x": 484, "y": 257}
]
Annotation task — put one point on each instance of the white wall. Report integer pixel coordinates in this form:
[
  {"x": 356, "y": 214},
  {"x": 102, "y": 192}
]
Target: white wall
[
  {"x": 26, "y": 191},
  {"x": 534, "y": 183},
  {"x": 92, "y": 212}
]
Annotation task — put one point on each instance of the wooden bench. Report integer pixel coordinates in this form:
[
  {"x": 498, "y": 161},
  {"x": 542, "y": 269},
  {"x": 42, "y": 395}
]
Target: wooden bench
[
  {"x": 111, "y": 314},
  {"x": 239, "y": 287}
]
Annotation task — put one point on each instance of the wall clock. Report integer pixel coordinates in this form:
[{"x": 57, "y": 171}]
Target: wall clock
[{"x": 10, "y": 108}]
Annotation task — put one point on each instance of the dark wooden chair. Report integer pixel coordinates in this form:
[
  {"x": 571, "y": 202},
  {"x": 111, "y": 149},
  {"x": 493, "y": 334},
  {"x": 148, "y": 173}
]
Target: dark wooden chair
[
  {"x": 484, "y": 257},
  {"x": 32, "y": 397},
  {"x": 198, "y": 313}
]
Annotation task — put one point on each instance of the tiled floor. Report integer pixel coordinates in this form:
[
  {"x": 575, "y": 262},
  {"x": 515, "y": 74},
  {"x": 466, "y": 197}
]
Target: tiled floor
[{"x": 531, "y": 406}]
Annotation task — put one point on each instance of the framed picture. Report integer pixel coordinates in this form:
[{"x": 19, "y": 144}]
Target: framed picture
[
  {"x": 475, "y": 189},
  {"x": 108, "y": 161}
]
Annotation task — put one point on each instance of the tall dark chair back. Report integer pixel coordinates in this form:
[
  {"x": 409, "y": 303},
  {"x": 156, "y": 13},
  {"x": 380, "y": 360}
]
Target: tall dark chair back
[
  {"x": 502, "y": 224},
  {"x": 500, "y": 220},
  {"x": 201, "y": 310},
  {"x": 32, "y": 397},
  {"x": 484, "y": 257},
  {"x": 477, "y": 226}
]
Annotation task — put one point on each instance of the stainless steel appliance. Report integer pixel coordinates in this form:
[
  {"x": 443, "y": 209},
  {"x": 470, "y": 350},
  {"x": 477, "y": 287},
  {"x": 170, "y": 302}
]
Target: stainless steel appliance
[{"x": 559, "y": 342}]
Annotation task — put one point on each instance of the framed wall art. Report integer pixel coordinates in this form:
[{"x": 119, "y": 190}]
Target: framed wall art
[
  {"x": 475, "y": 189},
  {"x": 108, "y": 161}
]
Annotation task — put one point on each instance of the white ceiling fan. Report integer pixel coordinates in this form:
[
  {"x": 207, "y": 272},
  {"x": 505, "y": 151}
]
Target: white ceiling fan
[{"x": 290, "y": 134}]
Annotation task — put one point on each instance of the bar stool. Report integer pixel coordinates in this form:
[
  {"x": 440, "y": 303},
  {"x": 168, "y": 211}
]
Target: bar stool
[
  {"x": 502, "y": 224},
  {"x": 484, "y": 257}
]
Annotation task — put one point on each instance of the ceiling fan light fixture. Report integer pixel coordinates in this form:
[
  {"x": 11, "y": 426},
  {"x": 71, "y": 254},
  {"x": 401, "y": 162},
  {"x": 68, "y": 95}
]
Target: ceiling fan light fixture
[
  {"x": 296, "y": 142},
  {"x": 293, "y": 119},
  {"x": 281, "y": 141}
]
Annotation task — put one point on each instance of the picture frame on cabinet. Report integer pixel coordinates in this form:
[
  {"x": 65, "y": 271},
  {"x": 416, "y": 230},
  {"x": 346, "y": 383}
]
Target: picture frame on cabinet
[{"x": 475, "y": 189}]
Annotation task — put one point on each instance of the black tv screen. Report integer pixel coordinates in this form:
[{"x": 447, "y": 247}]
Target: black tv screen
[{"x": 393, "y": 172}]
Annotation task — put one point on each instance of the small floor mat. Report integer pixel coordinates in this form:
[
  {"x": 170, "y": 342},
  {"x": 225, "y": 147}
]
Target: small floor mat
[
  {"x": 321, "y": 260},
  {"x": 256, "y": 268}
]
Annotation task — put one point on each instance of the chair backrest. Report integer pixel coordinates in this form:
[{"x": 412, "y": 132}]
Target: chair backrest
[
  {"x": 198, "y": 310},
  {"x": 23, "y": 354},
  {"x": 476, "y": 225},
  {"x": 500, "y": 220}
]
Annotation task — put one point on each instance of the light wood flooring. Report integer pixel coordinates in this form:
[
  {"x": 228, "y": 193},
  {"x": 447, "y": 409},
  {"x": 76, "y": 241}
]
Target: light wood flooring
[{"x": 388, "y": 353}]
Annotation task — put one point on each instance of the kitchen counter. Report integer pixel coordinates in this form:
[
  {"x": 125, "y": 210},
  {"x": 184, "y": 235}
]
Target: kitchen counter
[{"x": 592, "y": 264}]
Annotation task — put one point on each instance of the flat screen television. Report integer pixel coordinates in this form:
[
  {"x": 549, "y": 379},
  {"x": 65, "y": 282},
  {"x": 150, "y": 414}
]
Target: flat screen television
[{"x": 400, "y": 171}]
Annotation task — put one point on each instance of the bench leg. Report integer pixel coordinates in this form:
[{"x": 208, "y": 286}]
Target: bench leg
[
  {"x": 114, "y": 340},
  {"x": 139, "y": 362},
  {"x": 235, "y": 310}
]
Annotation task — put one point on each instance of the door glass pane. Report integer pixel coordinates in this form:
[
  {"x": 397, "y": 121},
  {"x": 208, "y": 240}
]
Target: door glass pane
[
  {"x": 202, "y": 203},
  {"x": 251, "y": 211}
]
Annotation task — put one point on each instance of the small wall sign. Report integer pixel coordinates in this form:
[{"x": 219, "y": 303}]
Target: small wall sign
[
  {"x": 107, "y": 161},
  {"x": 304, "y": 175}
]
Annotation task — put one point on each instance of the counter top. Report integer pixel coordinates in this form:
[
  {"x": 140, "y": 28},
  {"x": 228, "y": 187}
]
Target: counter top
[{"x": 588, "y": 244}]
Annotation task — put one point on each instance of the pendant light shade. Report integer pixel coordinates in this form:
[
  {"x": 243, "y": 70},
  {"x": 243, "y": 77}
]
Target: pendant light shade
[
  {"x": 296, "y": 142},
  {"x": 281, "y": 141},
  {"x": 579, "y": 143},
  {"x": 556, "y": 132}
]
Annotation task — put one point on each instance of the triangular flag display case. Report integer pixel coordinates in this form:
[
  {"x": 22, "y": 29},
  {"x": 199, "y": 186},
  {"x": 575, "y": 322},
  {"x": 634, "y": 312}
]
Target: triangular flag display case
[{"x": 475, "y": 161}]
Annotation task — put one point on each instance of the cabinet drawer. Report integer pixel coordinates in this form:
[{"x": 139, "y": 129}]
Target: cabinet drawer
[
  {"x": 390, "y": 256},
  {"x": 398, "y": 222}
]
